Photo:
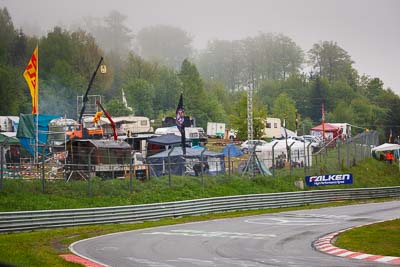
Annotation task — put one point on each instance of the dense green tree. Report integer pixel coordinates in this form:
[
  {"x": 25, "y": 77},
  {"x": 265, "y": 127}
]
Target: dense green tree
[
  {"x": 117, "y": 108},
  {"x": 139, "y": 95},
  {"x": 268, "y": 91},
  {"x": 374, "y": 89},
  {"x": 341, "y": 113},
  {"x": 222, "y": 61},
  {"x": 166, "y": 44},
  {"x": 111, "y": 33},
  {"x": 366, "y": 114},
  {"x": 331, "y": 61},
  {"x": 285, "y": 109},
  {"x": 238, "y": 119},
  {"x": 167, "y": 86},
  {"x": 137, "y": 68},
  {"x": 195, "y": 98},
  {"x": 13, "y": 93},
  {"x": 8, "y": 35},
  {"x": 318, "y": 95}
]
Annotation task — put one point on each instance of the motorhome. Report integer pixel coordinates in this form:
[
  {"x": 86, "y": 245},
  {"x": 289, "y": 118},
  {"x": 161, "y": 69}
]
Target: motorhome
[{"x": 272, "y": 128}]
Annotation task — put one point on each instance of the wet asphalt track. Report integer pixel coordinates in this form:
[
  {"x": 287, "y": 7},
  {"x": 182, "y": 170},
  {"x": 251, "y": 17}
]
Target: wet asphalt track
[{"x": 281, "y": 239}]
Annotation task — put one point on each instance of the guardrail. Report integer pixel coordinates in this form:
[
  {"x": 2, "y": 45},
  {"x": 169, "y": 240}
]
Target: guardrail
[{"x": 32, "y": 220}]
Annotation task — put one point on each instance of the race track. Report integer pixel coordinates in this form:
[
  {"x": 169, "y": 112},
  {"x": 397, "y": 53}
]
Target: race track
[{"x": 280, "y": 239}]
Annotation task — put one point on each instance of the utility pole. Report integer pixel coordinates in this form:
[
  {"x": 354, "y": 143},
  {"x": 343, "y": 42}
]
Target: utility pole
[
  {"x": 250, "y": 112},
  {"x": 253, "y": 163}
]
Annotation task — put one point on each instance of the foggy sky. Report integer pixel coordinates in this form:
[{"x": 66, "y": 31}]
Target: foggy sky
[{"x": 369, "y": 30}]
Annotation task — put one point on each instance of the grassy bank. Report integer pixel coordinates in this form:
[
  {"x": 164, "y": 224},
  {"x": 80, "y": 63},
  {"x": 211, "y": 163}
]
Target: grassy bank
[
  {"x": 378, "y": 239},
  {"x": 20, "y": 194}
]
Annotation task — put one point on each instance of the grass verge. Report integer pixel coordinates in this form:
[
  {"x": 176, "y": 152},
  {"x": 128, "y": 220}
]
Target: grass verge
[{"x": 378, "y": 239}]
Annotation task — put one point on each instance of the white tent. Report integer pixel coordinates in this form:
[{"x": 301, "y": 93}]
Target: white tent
[
  {"x": 386, "y": 147},
  {"x": 298, "y": 152}
]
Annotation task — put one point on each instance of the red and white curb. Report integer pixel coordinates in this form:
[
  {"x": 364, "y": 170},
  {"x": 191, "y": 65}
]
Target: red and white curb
[
  {"x": 324, "y": 244},
  {"x": 80, "y": 260}
]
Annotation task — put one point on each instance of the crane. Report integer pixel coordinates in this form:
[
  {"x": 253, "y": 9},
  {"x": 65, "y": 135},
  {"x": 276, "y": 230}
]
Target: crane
[
  {"x": 79, "y": 131},
  {"x": 85, "y": 97},
  {"x": 109, "y": 118}
]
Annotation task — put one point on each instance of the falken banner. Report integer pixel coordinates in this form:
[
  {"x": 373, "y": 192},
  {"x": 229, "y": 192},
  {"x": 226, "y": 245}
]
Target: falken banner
[{"x": 329, "y": 179}]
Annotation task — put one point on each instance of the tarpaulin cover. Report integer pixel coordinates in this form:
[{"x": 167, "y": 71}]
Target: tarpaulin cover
[
  {"x": 26, "y": 132},
  {"x": 233, "y": 150},
  {"x": 10, "y": 140},
  {"x": 165, "y": 140}
]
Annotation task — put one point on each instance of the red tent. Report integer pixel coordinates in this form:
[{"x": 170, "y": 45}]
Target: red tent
[
  {"x": 331, "y": 132},
  {"x": 328, "y": 128}
]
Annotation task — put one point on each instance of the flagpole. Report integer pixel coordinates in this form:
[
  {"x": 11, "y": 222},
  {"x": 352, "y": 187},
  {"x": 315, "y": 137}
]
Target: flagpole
[{"x": 37, "y": 108}]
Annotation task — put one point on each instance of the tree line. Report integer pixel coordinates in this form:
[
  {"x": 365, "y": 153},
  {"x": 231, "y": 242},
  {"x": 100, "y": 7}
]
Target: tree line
[{"x": 158, "y": 63}]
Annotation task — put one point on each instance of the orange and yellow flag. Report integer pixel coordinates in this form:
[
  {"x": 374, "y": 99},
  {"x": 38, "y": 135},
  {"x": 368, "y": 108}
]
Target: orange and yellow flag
[{"x": 31, "y": 75}]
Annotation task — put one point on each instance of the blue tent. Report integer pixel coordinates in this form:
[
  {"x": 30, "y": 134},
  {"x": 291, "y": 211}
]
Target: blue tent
[{"x": 233, "y": 150}]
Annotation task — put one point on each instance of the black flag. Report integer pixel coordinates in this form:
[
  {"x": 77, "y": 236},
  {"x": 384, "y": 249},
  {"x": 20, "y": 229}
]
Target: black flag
[{"x": 180, "y": 123}]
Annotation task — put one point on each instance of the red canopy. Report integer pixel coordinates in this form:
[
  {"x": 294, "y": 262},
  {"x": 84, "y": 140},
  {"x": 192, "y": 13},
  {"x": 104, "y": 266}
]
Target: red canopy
[{"x": 328, "y": 128}]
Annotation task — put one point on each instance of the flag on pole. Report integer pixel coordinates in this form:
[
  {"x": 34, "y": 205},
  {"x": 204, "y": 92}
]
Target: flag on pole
[
  {"x": 180, "y": 120},
  {"x": 323, "y": 121},
  {"x": 31, "y": 75}
]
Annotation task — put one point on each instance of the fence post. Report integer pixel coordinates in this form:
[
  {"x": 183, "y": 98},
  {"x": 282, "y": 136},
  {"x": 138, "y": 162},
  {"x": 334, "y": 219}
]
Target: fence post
[
  {"x": 308, "y": 156},
  {"x": 338, "y": 146},
  {"x": 90, "y": 172},
  {"x": 202, "y": 167},
  {"x": 273, "y": 159},
  {"x": 229, "y": 161},
  {"x": 304, "y": 155},
  {"x": 290, "y": 159},
  {"x": 1, "y": 166},
  {"x": 43, "y": 174},
  {"x": 130, "y": 173},
  {"x": 169, "y": 165}
]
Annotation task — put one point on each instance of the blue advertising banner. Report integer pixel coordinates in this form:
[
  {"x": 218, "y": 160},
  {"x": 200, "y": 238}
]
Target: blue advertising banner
[{"x": 329, "y": 179}]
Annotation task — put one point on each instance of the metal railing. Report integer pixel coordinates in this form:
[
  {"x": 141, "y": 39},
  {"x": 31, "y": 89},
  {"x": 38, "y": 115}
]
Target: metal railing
[{"x": 32, "y": 220}]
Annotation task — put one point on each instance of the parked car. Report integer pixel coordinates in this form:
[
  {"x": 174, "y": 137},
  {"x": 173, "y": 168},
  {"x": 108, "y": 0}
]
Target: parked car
[
  {"x": 307, "y": 139},
  {"x": 313, "y": 139},
  {"x": 246, "y": 145}
]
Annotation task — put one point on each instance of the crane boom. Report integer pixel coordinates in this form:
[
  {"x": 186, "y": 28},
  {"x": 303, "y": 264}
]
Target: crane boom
[
  {"x": 109, "y": 118},
  {"x": 85, "y": 98}
]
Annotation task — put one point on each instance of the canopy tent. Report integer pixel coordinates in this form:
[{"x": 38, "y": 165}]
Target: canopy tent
[
  {"x": 331, "y": 131},
  {"x": 232, "y": 150},
  {"x": 328, "y": 128},
  {"x": 181, "y": 165},
  {"x": 299, "y": 154},
  {"x": 386, "y": 147}
]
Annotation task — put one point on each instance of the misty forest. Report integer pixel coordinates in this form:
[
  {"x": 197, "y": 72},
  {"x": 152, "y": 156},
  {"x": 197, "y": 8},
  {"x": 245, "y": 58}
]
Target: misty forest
[{"x": 154, "y": 65}]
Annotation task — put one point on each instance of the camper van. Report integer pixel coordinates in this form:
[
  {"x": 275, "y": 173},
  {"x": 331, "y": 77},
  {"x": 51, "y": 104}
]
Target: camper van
[
  {"x": 130, "y": 125},
  {"x": 272, "y": 128}
]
